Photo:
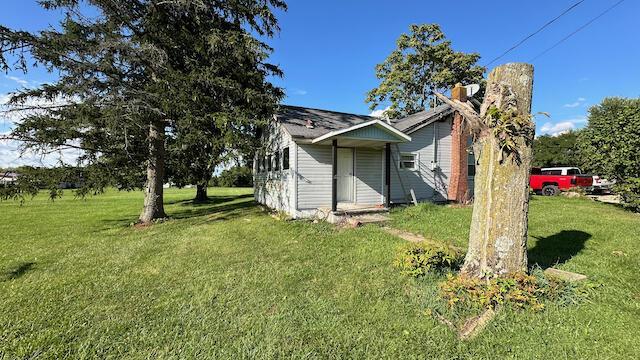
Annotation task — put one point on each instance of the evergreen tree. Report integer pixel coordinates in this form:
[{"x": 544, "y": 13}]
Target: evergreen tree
[{"x": 131, "y": 75}]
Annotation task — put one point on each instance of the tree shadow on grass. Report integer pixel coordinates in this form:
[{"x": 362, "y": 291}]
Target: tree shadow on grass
[
  {"x": 215, "y": 208},
  {"x": 558, "y": 248},
  {"x": 211, "y": 200},
  {"x": 17, "y": 271}
]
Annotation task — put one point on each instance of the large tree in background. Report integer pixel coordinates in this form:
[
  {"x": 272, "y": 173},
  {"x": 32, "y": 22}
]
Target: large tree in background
[
  {"x": 131, "y": 72},
  {"x": 610, "y": 146},
  {"x": 422, "y": 63},
  {"x": 558, "y": 150}
]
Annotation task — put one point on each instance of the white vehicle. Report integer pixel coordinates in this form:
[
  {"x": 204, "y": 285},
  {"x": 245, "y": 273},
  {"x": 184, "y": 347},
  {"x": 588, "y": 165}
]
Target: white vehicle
[
  {"x": 561, "y": 171},
  {"x": 599, "y": 184}
]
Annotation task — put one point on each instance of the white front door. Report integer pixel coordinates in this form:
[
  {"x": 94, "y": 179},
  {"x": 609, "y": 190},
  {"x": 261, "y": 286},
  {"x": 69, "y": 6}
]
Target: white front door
[{"x": 345, "y": 175}]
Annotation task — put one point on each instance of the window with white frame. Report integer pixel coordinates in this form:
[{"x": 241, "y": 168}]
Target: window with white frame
[{"x": 408, "y": 161}]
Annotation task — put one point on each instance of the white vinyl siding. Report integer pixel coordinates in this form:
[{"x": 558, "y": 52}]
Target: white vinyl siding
[
  {"x": 271, "y": 187},
  {"x": 314, "y": 169},
  {"x": 427, "y": 184}
]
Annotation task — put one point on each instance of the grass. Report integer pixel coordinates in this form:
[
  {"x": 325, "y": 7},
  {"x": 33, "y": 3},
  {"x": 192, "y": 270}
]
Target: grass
[{"x": 224, "y": 280}]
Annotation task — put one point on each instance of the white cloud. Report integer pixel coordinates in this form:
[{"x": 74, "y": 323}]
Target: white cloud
[
  {"x": 20, "y": 81},
  {"x": 10, "y": 152},
  {"x": 380, "y": 113},
  {"x": 577, "y": 103},
  {"x": 12, "y": 156},
  {"x": 562, "y": 127},
  {"x": 300, "y": 92}
]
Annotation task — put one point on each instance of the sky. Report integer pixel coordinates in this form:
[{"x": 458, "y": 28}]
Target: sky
[{"x": 328, "y": 51}]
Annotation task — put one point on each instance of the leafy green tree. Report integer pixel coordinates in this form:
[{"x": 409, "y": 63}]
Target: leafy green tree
[
  {"x": 132, "y": 72},
  {"x": 237, "y": 176},
  {"x": 422, "y": 63},
  {"x": 610, "y": 145},
  {"x": 558, "y": 150}
]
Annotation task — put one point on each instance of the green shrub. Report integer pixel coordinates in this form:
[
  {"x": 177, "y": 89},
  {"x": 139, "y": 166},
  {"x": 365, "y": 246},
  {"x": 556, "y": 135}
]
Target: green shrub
[
  {"x": 610, "y": 143},
  {"x": 418, "y": 259},
  {"x": 629, "y": 191}
]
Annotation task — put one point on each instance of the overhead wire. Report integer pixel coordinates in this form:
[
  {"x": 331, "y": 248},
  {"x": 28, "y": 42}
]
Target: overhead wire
[
  {"x": 577, "y": 30},
  {"x": 534, "y": 33}
]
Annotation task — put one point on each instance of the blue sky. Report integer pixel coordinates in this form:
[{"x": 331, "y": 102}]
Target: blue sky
[{"x": 328, "y": 50}]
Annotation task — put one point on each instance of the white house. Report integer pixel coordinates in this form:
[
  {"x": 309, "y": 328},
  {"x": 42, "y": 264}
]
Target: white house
[{"x": 318, "y": 160}]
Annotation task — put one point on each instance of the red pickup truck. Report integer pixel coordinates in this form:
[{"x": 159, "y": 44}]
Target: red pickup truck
[{"x": 550, "y": 183}]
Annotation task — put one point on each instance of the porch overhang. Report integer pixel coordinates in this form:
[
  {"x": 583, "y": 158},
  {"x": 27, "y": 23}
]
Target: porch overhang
[{"x": 375, "y": 133}]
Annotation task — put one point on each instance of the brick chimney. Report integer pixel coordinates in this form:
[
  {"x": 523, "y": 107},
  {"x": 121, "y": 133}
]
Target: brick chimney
[{"x": 458, "y": 183}]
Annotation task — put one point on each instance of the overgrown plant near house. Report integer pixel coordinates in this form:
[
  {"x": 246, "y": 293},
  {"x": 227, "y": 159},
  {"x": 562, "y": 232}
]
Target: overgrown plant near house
[
  {"x": 518, "y": 290},
  {"x": 418, "y": 259}
]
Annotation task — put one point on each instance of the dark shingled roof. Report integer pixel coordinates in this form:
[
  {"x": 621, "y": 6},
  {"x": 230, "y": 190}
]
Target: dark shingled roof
[
  {"x": 418, "y": 120},
  {"x": 294, "y": 119}
]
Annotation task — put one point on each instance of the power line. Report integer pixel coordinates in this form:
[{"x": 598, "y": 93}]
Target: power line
[
  {"x": 534, "y": 33},
  {"x": 577, "y": 30}
]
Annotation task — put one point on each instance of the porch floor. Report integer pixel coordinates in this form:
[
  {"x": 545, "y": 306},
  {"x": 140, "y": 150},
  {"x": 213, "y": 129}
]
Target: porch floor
[{"x": 355, "y": 209}]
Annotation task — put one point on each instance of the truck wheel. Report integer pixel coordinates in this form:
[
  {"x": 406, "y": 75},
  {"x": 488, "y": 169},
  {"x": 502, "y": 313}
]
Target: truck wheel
[{"x": 550, "y": 190}]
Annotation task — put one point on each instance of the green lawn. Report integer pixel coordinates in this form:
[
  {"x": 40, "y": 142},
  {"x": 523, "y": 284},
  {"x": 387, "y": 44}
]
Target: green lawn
[{"x": 224, "y": 280}]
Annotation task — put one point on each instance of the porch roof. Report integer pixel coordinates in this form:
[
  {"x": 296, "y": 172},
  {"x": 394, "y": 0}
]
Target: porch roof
[{"x": 370, "y": 133}]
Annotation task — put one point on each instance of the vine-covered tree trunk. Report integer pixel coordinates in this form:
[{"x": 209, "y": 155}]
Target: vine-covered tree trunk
[
  {"x": 498, "y": 236},
  {"x": 201, "y": 192},
  {"x": 153, "y": 196}
]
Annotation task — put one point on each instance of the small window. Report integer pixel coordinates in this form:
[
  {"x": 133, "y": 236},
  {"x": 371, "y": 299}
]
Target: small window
[
  {"x": 276, "y": 161},
  {"x": 551, "y": 172},
  {"x": 409, "y": 161},
  {"x": 471, "y": 165},
  {"x": 573, "y": 171},
  {"x": 285, "y": 159},
  {"x": 269, "y": 162}
]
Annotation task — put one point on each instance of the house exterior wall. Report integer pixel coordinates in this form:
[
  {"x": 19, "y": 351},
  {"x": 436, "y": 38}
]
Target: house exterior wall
[
  {"x": 275, "y": 189},
  {"x": 306, "y": 185},
  {"x": 313, "y": 176},
  {"x": 430, "y": 143}
]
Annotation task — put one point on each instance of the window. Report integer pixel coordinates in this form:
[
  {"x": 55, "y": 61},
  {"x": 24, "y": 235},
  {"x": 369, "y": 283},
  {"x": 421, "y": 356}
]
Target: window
[
  {"x": 471, "y": 165},
  {"x": 551, "y": 172},
  {"x": 285, "y": 158},
  {"x": 276, "y": 161},
  {"x": 409, "y": 161},
  {"x": 269, "y": 162},
  {"x": 573, "y": 171}
]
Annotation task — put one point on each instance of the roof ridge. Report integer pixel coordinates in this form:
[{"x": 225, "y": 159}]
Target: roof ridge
[{"x": 331, "y": 111}]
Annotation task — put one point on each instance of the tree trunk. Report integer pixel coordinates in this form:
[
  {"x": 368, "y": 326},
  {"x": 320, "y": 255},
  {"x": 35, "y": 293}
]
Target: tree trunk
[
  {"x": 153, "y": 196},
  {"x": 498, "y": 236},
  {"x": 201, "y": 192}
]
